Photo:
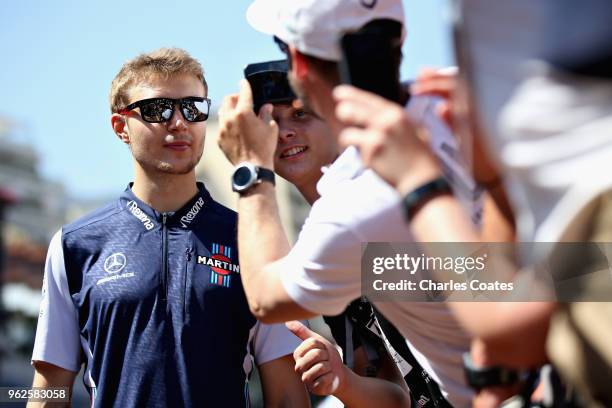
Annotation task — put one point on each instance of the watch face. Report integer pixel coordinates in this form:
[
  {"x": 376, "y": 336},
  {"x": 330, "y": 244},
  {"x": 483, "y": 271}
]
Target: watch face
[{"x": 242, "y": 176}]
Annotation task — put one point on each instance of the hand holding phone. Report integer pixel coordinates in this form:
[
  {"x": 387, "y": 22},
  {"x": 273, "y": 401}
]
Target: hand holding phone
[
  {"x": 269, "y": 83},
  {"x": 369, "y": 61}
]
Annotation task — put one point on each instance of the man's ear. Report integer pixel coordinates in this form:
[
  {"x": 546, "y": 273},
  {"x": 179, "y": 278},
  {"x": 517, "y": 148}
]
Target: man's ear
[
  {"x": 120, "y": 127},
  {"x": 299, "y": 63}
]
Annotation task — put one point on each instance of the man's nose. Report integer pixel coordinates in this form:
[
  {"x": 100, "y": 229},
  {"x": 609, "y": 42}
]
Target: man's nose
[
  {"x": 285, "y": 132},
  {"x": 177, "y": 121}
]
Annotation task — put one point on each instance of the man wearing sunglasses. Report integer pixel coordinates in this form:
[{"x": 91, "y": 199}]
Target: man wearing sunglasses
[{"x": 146, "y": 291}]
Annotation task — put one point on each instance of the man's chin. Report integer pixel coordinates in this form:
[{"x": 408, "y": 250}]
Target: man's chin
[
  {"x": 177, "y": 169},
  {"x": 293, "y": 176}
]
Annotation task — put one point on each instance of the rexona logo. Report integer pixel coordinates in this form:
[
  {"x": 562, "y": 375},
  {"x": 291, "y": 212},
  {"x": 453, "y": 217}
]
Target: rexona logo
[
  {"x": 220, "y": 264},
  {"x": 140, "y": 215},
  {"x": 190, "y": 216}
]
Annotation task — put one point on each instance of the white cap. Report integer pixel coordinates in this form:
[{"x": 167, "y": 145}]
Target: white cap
[{"x": 315, "y": 27}]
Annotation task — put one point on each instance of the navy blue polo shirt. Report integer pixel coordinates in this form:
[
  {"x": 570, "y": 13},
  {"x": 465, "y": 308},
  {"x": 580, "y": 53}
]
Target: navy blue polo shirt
[{"x": 153, "y": 304}]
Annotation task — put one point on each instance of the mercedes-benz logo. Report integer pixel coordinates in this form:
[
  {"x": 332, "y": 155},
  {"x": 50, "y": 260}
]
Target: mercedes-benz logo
[{"x": 115, "y": 263}]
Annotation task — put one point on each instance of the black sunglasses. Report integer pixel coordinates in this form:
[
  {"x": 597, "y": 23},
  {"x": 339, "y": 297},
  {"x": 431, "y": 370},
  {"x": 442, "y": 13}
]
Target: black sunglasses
[{"x": 157, "y": 110}]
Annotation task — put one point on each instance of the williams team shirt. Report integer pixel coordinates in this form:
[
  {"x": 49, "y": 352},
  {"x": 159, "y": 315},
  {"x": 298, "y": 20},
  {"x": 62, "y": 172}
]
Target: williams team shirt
[{"x": 153, "y": 304}]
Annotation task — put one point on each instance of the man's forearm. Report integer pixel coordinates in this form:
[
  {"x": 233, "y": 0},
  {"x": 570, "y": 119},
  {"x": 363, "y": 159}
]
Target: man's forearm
[
  {"x": 261, "y": 240},
  {"x": 49, "y": 375},
  {"x": 371, "y": 392}
]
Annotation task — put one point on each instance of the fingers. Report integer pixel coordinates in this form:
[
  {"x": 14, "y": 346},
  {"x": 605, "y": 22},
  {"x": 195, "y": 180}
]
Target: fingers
[
  {"x": 314, "y": 342},
  {"x": 443, "y": 87},
  {"x": 430, "y": 72},
  {"x": 300, "y": 330},
  {"x": 316, "y": 360},
  {"x": 265, "y": 114},
  {"x": 353, "y": 113},
  {"x": 356, "y": 107},
  {"x": 315, "y": 372},
  {"x": 347, "y": 92},
  {"x": 311, "y": 358},
  {"x": 440, "y": 82},
  {"x": 444, "y": 112},
  {"x": 228, "y": 104},
  {"x": 319, "y": 377},
  {"x": 245, "y": 102},
  {"x": 353, "y": 136}
]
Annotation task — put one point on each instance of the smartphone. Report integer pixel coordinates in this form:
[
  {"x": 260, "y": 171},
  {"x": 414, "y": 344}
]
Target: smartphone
[
  {"x": 269, "y": 83},
  {"x": 368, "y": 63}
]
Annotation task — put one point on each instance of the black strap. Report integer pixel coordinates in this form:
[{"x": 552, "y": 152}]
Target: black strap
[
  {"x": 414, "y": 200},
  {"x": 424, "y": 390},
  {"x": 360, "y": 326},
  {"x": 266, "y": 175}
]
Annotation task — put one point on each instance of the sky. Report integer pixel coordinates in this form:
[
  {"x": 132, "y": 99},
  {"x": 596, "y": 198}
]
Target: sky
[{"x": 59, "y": 58}]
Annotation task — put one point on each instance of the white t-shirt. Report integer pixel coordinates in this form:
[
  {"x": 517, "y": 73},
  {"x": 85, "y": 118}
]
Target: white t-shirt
[{"x": 323, "y": 272}]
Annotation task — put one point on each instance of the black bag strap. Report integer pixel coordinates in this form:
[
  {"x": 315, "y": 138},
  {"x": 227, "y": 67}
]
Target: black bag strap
[
  {"x": 362, "y": 325},
  {"x": 425, "y": 391}
]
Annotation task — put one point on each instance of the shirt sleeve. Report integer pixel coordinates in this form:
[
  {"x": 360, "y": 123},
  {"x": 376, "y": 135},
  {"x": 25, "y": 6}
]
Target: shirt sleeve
[
  {"x": 323, "y": 268},
  {"x": 272, "y": 341},
  {"x": 57, "y": 333}
]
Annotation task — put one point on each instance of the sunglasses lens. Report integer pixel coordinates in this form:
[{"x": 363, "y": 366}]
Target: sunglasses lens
[
  {"x": 157, "y": 110},
  {"x": 161, "y": 109},
  {"x": 194, "y": 110}
]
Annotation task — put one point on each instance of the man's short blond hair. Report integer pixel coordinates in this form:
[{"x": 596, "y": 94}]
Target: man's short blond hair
[{"x": 163, "y": 63}]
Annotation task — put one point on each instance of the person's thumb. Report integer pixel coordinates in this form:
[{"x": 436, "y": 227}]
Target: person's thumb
[
  {"x": 300, "y": 330},
  {"x": 265, "y": 114},
  {"x": 245, "y": 101}
]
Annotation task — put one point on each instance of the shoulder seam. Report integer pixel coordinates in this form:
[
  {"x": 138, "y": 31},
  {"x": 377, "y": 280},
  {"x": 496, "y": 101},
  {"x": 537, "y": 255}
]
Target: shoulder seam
[{"x": 116, "y": 211}]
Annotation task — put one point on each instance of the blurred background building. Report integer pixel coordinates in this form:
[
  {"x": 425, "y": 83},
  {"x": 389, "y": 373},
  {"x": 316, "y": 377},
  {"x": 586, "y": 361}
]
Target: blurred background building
[{"x": 31, "y": 210}]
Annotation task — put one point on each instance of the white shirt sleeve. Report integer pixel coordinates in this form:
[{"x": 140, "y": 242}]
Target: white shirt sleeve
[
  {"x": 57, "y": 334},
  {"x": 323, "y": 268},
  {"x": 322, "y": 272},
  {"x": 272, "y": 341}
]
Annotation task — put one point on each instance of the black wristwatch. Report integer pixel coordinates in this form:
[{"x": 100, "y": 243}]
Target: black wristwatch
[
  {"x": 414, "y": 200},
  {"x": 247, "y": 175},
  {"x": 483, "y": 377}
]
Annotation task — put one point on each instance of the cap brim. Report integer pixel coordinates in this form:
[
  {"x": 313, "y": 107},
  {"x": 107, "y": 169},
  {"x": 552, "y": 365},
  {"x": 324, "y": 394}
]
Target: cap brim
[{"x": 262, "y": 15}]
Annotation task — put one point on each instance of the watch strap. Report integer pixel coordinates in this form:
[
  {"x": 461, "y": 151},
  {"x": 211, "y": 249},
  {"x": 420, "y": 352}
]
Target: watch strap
[
  {"x": 264, "y": 174},
  {"x": 414, "y": 200},
  {"x": 483, "y": 377}
]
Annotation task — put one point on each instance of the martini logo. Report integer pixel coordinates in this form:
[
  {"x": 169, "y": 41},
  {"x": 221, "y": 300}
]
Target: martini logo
[{"x": 220, "y": 264}]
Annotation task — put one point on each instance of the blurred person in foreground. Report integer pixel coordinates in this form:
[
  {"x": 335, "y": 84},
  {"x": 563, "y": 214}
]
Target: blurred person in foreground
[
  {"x": 146, "y": 290},
  {"x": 321, "y": 274},
  {"x": 554, "y": 145}
]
